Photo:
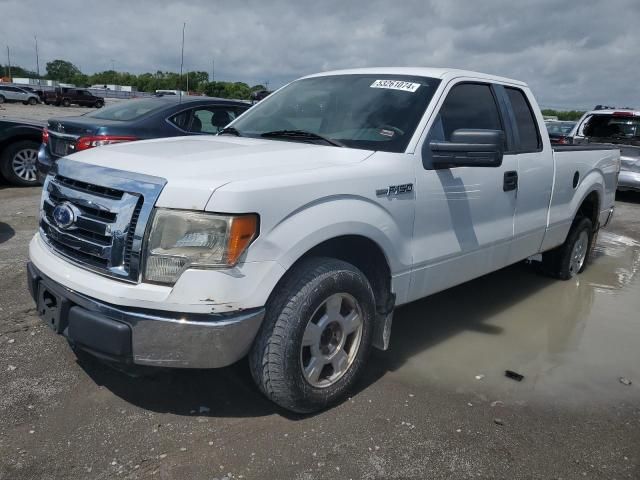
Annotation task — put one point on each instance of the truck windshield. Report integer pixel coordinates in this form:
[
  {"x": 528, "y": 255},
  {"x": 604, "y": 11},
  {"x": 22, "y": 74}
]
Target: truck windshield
[
  {"x": 613, "y": 127},
  {"x": 372, "y": 112}
]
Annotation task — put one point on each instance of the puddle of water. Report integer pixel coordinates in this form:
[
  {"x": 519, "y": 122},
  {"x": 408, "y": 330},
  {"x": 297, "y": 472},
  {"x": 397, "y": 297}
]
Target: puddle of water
[{"x": 571, "y": 340}]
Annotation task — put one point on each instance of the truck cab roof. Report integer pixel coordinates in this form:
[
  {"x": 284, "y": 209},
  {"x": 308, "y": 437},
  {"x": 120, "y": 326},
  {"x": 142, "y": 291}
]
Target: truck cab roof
[{"x": 440, "y": 73}]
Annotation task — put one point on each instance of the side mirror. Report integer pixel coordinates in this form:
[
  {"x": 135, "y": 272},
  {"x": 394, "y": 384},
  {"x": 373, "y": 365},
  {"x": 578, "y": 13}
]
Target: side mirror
[{"x": 469, "y": 148}]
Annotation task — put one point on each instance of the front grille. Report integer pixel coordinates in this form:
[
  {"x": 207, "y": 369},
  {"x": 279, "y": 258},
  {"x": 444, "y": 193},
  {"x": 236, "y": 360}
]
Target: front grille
[
  {"x": 109, "y": 218},
  {"x": 90, "y": 188}
]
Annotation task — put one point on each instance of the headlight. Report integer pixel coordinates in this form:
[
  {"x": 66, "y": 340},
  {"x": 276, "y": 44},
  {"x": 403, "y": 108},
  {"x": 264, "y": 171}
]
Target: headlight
[{"x": 182, "y": 239}]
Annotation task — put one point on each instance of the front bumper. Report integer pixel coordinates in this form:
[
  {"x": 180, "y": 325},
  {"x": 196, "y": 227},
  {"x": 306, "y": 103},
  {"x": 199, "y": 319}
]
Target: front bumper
[
  {"x": 628, "y": 180},
  {"x": 141, "y": 336}
]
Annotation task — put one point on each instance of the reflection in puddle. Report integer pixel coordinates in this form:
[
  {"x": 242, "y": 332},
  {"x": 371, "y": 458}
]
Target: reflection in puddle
[{"x": 572, "y": 340}]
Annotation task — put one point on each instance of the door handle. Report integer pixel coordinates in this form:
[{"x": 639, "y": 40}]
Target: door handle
[{"x": 510, "y": 181}]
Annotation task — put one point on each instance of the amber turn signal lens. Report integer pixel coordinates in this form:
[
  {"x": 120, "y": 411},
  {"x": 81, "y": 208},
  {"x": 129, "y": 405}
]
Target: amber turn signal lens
[{"x": 243, "y": 230}]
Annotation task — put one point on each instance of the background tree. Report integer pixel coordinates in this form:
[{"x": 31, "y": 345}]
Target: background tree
[
  {"x": 17, "y": 71},
  {"x": 563, "y": 115},
  {"x": 62, "y": 70}
]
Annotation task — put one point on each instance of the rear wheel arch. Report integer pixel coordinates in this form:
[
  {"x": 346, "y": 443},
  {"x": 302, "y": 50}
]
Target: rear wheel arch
[{"x": 589, "y": 208}]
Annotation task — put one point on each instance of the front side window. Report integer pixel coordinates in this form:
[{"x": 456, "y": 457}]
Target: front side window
[
  {"x": 467, "y": 106},
  {"x": 367, "y": 111},
  {"x": 525, "y": 121}
]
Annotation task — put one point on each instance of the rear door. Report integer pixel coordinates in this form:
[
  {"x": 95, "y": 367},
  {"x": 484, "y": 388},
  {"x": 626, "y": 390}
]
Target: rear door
[
  {"x": 464, "y": 217},
  {"x": 534, "y": 163}
]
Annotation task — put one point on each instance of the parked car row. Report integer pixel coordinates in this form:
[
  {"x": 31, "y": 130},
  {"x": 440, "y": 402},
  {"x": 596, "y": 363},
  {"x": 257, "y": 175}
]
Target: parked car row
[{"x": 172, "y": 115}]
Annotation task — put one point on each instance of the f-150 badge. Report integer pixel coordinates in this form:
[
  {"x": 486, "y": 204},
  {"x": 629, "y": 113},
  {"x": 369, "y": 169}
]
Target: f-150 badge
[{"x": 395, "y": 190}]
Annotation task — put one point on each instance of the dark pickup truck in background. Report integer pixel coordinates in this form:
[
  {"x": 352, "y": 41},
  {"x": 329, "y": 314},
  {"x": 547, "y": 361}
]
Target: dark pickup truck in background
[
  {"x": 19, "y": 144},
  {"x": 65, "y": 97}
]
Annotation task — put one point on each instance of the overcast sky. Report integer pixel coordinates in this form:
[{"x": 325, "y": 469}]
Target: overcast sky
[{"x": 573, "y": 53}]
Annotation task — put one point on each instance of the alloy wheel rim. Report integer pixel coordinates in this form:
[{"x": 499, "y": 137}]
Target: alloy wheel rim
[
  {"x": 579, "y": 253},
  {"x": 24, "y": 164},
  {"x": 331, "y": 340}
]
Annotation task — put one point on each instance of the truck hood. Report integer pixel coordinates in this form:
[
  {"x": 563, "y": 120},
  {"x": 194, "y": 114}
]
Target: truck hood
[{"x": 194, "y": 167}]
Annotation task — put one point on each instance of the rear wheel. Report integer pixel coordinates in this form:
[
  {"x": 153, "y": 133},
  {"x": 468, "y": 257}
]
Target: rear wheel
[
  {"x": 570, "y": 258},
  {"x": 66, "y": 102},
  {"x": 99, "y": 104},
  {"x": 2, "y": 99},
  {"x": 18, "y": 163},
  {"x": 316, "y": 335},
  {"x": 32, "y": 101}
]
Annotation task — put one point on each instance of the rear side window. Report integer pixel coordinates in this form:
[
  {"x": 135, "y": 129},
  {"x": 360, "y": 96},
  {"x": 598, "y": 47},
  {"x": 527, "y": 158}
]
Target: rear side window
[
  {"x": 468, "y": 105},
  {"x": 525, "y": 121}
]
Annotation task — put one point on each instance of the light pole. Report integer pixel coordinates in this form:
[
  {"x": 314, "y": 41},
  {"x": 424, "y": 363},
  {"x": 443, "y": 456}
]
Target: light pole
[
  {"x": 9, "y": 62},
  {"x": 184, "y": 25},
  {"x": 113, "y": 69},
  {"x": 37, "y": 62},
  {"x": 213, "y": 70}
]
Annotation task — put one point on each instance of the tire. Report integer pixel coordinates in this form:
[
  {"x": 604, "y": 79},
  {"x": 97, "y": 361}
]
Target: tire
[
  {"x": 66, "y": 102},
  {"x": 99, "y": 104},
  {"x": 278, "y": 360},
  {"x": 18, "y": 163},
  {"x": 2, "y": 99},
  {"x": 570, "y": 258},
  {"x": 32, "y": 101}
]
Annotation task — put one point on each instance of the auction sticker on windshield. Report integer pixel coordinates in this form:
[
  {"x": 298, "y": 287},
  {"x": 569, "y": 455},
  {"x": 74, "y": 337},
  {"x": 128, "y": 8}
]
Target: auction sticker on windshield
[{"x": 396, "y": 85}]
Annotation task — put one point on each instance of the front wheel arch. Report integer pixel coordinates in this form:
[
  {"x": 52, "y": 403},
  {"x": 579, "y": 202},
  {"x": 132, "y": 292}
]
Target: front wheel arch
[{"x": 370, "y": 258}]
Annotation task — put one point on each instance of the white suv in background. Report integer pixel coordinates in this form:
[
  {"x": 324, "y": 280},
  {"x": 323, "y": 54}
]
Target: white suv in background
[{"x": 15, "y": 94}]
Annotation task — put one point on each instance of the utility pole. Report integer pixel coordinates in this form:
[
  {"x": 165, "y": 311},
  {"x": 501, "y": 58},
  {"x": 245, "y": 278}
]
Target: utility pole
[
  {"x": 266, "y": 85},
  {"x": 213, "y": 69},
  {"x": 113, "y": 75},
  {"x": 184, "y": 25},
  {"x": 37, "y": 62},
  {"x": 9, "y": 62}
]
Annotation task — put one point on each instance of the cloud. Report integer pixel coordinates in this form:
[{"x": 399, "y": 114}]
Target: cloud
[{"x": 572, "y": 54}]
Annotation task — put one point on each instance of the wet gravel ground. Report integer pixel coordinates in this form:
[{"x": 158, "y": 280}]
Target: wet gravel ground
[{"x": 436, "y": 405}]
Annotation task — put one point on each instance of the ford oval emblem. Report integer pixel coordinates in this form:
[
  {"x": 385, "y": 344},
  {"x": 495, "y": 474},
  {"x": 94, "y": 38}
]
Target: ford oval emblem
[{"x": 64, "y": 215}]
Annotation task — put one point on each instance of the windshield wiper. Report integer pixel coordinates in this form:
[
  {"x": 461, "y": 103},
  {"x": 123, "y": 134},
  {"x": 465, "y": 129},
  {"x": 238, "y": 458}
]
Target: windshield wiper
[
  {"x": 229, "y": 131},
  {"x": 301, "y": 135}
]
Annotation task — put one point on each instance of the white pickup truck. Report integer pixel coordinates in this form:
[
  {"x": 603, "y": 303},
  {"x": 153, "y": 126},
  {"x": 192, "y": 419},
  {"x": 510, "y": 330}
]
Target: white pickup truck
[{"x": 293, "y": 235}]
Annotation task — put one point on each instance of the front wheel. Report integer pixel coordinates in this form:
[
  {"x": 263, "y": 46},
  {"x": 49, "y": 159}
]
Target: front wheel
[
  {"x": 99, "y": 104},
  {"x": 570, "y": 258},
  {"x": 316, "y": 335},
  {"x": 66, "y": 102},
  {"x": 32, "y": 101}
]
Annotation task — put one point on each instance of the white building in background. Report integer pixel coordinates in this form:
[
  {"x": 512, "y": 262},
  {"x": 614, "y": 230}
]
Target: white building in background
[
  {"x": 113, "y": 87},
  {"x": 35, "y": 81}
]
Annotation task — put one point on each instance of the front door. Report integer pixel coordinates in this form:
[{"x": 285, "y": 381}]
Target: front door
[{"x": 464, "y": 218}]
